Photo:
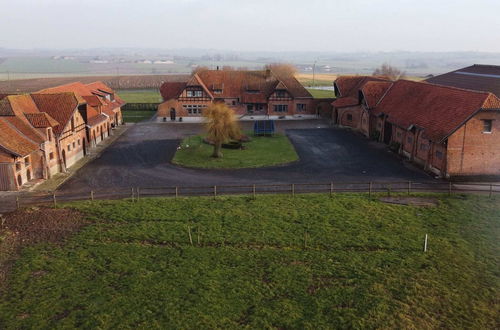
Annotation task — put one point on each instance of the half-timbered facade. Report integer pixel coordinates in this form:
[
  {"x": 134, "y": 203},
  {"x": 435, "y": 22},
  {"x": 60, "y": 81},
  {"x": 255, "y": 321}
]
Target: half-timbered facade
[{"x": 248, "y": 93}]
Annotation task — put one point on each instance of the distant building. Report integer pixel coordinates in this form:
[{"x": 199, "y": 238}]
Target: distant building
[
  {"x": 252, "y": 93},
  {"x": 476, "y": 77}
]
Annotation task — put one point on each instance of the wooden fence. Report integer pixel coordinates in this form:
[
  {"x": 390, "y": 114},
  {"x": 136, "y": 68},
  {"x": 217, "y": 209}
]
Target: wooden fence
[{"x": 331, "y": 188}]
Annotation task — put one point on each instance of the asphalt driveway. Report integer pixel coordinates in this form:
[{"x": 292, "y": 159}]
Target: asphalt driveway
[{"x": 141, "y": 158}]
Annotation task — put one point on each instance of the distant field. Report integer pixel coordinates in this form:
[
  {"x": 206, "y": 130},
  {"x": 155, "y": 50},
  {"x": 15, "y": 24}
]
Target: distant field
[
  {"x": 306, "y": 79},
  {"x": 318, "y": 93},
  {"x": 140, "y": 95},
  {"x": 274, "y": 262}
]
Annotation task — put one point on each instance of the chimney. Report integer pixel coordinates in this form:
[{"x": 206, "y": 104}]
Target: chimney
[{"x": 217, "y": 68}]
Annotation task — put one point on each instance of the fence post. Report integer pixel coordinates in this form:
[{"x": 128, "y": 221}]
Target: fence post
[
  {"x": 137, "y": 191},
  {"x": 215, "y": 191},
  {"x": 92, "y": 195},
  {"x": 491, "y": 190},
  {"x": 132, "y": 194},
  {"x": 425, "y": 243},
  {"x": 254, "y": 192},
  {"x": 449, "y": 189},
  {"x": 17, "y": 202},
  {"x": 389, "y": 190},
  {"x": 331, "y": 189},
  {"x": 370, "y": 189},
  {"x": 176, "y": 192},
  {"x": 54, "y": 198},
  {"x": 409, "y": 188},
  {"x": 293, "y": 190}
]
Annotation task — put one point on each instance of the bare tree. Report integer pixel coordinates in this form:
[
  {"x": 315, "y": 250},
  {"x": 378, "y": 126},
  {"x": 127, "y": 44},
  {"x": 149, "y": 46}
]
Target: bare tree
[
  {"x": 221, "y": 126},
  {"x": 389, "y": 72},
  {"x": 199, "y": 69},
  {"x": 283, "y": 69}
]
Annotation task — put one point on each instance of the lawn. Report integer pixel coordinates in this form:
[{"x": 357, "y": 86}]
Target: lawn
[
  {"x": 260, "y": 151},
  {"x": 140, "y": 95},
  {"x": 319, "y": 93},
  {"x": 303, "y": 262},
  {"x": 131, "y": 116}
]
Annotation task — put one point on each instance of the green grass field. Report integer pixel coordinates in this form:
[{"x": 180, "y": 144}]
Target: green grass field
[
  {"x": 140, "y": 95},
  {"x": 318, "y": 93},
  {"x": 130, "y": 116},
  {"x": 303, "y": 262},
  {"x": 260, "y": 151}
]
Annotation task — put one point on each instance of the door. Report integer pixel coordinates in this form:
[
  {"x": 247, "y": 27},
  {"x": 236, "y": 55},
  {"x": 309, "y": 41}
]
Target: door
[
  {"x": 172, "y": 114},
  {"x": 387, "y": 132}
]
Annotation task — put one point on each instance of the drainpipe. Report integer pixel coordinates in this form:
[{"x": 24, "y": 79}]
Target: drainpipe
[{"x": 462, "y": 151}]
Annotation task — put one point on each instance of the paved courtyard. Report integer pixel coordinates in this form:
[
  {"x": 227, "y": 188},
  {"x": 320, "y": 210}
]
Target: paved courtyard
[{"x": 141, "y": 158}]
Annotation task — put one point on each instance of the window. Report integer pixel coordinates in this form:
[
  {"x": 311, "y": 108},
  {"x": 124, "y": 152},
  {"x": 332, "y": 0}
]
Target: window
[
  {"x": 487, "y": 125},
  {"x": 74, "y": 145},
  {"x": 217, "y": 91},
  {"x": 27, "y": 161},
  {"x": 398, "y": 134},
  {"x": 195, "y": 93},
  {"x": 301, "y": 107},
  {"x": 439, "y": 155},
  {"x": 409, "y": 139},
  {"x": 424, "y": 146},
  {"x": 69, "y": 147},
  {"x": 280, "y": 108},
  {"x": 72, "y": 124},
  {"x": 234, "y": 102},
  {"x": 194, "y": 109},
  {"x": 51, "y": 156},
  {"x": 49, "y": 134},
  {"x": 18, "y": 166},
  {"x": 281, "y": 94},
  {"x": 78, "y": 142},
  {"x": 349, "y": 117}
]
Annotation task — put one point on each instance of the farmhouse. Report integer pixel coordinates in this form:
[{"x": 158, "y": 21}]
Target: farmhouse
[
  {"x": 477, "y": 77},
  {"x": 46, "y": 132},
  {"x": 248, "y": 93},
  {"x": 448, "y": 131}
]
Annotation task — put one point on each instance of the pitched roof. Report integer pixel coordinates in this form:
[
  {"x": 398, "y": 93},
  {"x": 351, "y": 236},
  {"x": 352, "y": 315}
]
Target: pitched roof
[
  {"x": 13, "y": 141},
  {"x": 5, "y": 157},
  {"x": 349, "y": 87},
  {"x": 77, "y": 88},
  {"x": 475, "y": 77},
  {"x": 438, "y": 110},
  {"x": 249, "y": 86},
  {"x": 22, "y": 104},
  {"x": 171, "y": 90},
  {"x": 41, "y": 120},
  {"x": 6, "y": 108},
  {"x": 59, "y": 106},
  {"x": 373, "y": 91},
  {"x": 99, "y": 85}
]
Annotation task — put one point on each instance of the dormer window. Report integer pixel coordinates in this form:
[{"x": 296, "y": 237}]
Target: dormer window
[
  {"x": 217, "y": 91},
  {"x": 281, "y": 93},
  {"x": 194, "y": 93}
]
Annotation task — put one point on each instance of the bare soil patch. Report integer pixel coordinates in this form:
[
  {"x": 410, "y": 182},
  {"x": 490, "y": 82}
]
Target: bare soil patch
[
  {"x": 414, "y": 201},
  {"x": 31, "y": 226}
]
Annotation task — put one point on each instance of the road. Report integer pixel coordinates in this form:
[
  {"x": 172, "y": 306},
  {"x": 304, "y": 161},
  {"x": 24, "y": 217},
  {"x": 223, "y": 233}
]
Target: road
[{"x": 141, "y": 158}]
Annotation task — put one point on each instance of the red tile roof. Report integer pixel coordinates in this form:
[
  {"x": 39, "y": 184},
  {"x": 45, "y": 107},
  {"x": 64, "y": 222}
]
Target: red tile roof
[
  {"x": 13, "y": 141},
  {"x": 373, "y": 91},
  {"x": 476, "y": 77},
  {"x": 438, "y": 110},
  {"x": 5, "y": 157},
  {"x": 98, "y": 119},
  {"x": 349, "y": 87},
  {"x": 41, "y": 120},
  {"x": 172, "y": 90},
  {"x": 59, "y": 106},
  {"x": 6, "y": 108},
  {"x": 249, "y": 86}
]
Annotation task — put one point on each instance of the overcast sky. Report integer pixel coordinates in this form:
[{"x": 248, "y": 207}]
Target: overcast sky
[{"x": 274, "y": 25}]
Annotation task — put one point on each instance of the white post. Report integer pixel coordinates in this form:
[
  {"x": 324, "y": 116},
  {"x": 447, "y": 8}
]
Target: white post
[{"x": 425, "y": 243}]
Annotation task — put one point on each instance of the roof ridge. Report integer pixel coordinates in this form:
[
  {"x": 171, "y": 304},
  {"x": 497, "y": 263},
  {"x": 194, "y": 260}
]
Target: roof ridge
[{"x": 445, "y": 86}]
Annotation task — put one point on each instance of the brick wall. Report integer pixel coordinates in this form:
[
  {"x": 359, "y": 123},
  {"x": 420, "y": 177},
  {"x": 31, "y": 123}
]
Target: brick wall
[{"x": 471, "y": 151}]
